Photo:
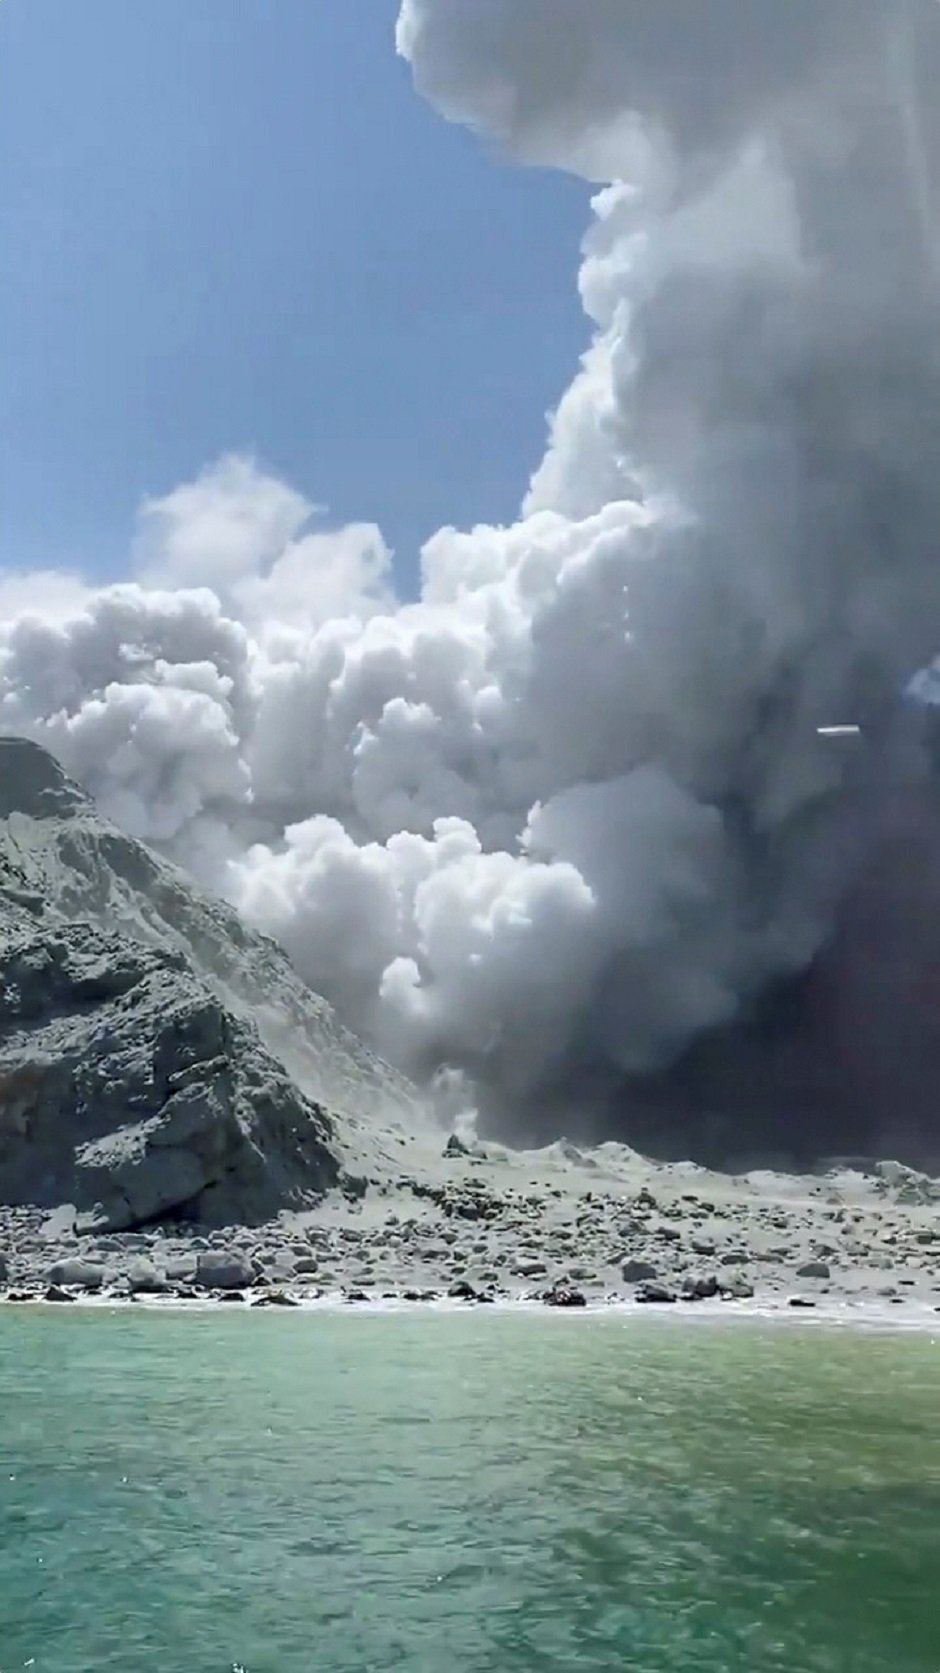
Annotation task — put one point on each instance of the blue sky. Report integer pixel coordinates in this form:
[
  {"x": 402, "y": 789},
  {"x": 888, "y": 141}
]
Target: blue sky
[{"x": 232, "y": 225}]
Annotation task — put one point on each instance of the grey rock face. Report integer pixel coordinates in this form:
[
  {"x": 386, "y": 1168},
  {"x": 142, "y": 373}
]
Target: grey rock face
[
  {"x": 33, "y": 782},
  {"x": 134, "y": 1082},
  {"x": 61, "y": 861},
  {"x": 127, "y": 1089},
  {"x": 638, "y": 1272}
]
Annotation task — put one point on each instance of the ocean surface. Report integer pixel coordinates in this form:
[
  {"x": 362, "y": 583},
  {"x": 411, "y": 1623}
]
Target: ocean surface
[{"x": 304, "y": 1493}]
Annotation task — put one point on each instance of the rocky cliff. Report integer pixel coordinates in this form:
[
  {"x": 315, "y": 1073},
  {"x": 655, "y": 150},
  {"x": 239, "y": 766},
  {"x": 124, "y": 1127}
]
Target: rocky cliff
[{"x": 158, "y": 1061}]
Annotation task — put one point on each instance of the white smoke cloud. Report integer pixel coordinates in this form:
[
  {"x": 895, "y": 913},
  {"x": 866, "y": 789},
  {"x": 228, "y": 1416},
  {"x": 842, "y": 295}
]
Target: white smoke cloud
[
  {"x": 239, "y": 531},
  {"x": 233, "y": 521},
  {"x": 569, "y": 808}
]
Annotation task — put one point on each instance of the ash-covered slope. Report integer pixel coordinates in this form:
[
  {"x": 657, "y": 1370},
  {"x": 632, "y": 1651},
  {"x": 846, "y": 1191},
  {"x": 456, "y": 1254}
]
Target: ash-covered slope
[{"x": 157, "y": 1059}]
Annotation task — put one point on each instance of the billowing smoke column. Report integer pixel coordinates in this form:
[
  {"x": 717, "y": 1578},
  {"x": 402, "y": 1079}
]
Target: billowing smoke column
[{"x": 548, "y": 825}]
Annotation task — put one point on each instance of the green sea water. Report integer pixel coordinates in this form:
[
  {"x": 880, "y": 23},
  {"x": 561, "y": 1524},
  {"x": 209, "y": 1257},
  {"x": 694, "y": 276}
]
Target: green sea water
[{"x": 295, "y": 1493}]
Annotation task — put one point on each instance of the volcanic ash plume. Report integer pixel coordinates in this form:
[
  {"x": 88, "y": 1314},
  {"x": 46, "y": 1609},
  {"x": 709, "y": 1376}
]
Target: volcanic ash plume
[{"x": 568, "y": 811}]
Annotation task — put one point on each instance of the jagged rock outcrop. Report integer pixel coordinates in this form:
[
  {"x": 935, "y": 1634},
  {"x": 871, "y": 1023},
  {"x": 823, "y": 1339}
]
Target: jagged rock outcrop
[{"x": 134, "y": 1080}]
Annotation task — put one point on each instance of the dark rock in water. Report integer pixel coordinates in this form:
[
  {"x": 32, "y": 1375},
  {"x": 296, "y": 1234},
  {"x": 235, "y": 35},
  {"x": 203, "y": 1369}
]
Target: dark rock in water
[
  {"x": 276, "y": 1298},
  {"x": 230, "y": 1295},
  {"x": 462, "y": 1291},
  {"x": 813, "y": 1269},
  {"x": 219, "y": 1271},
  {"x": 4, "y": 1269},
  {"x": 700, "y": 1287},
  {"x": 21, "y": 1295},
  {"x": 638, "y": 1272},
  {"x": 655, "y": 1294},
  {"x": 55, "y": 1292},
  {"x": 737, "y": 1289},
  {"x": 800, "y": 1301},
  {"x": 455, "y": 1147},
  {"x": 77, "y": 1274},
  {"x": 562, "y": 1295},
  {"x": 355, "y": 1296}
]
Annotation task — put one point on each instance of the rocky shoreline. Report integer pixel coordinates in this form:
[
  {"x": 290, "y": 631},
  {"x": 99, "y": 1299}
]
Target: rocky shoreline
[{"x": 562, "y": 1227}]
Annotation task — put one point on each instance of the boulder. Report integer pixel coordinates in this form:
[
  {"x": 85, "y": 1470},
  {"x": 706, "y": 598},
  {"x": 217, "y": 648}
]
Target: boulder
[
  {"x": 654, "y": 1294},
  {"x": 638, "y": 1272},
  {"x": 4, "y": 1269},
  {"x": 813, "y": 1269},
  {"x": 563, "y": 1295},
  {"x": 221, "y": 1270},
  {"x": 700, "y": 1287},
  {"x": 144, "y": 1278},
  {"x": 77, "y": 1274},
  {"x": 737, "y": 1288}
]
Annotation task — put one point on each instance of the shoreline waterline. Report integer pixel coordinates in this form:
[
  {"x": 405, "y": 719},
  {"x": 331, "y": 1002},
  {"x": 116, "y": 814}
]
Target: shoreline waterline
[{"x": 864, "y": 1317}]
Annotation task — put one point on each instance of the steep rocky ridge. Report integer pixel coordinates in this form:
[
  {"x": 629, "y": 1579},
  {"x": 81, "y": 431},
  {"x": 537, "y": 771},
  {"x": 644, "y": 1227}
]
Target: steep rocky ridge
[{"x": 158, "y": 1060}]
